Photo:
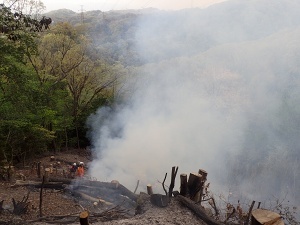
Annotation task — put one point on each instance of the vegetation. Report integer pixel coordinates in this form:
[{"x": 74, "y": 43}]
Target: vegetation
[{"x": 50, "y": 81}]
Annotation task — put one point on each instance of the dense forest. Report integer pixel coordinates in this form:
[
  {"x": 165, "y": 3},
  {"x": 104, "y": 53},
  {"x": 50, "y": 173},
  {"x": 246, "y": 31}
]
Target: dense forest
[{"x": 51, "y": 79}]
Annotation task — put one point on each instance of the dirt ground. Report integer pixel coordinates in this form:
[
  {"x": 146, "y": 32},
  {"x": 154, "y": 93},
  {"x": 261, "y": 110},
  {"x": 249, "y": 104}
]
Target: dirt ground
[{"x": 61, "y": 207}]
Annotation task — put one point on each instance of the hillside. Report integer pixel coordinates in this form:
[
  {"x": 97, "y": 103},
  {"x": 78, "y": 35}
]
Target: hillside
[{"x": 122, "y": 35}]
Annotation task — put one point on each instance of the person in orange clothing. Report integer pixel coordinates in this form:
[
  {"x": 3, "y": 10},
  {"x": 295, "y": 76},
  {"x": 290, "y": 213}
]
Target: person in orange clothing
[{"x": 80, "y": 170}]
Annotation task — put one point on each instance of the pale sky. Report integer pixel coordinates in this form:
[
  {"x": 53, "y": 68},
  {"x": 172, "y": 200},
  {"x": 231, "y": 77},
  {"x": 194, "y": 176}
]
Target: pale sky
[{"x": 106, "y": 5}]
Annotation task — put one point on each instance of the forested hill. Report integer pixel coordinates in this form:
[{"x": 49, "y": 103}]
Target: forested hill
[{"x": 120, "y": 35}]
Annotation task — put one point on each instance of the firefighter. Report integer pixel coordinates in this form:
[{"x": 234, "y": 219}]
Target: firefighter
[
  {"x": 73, "y": 170},
  {"x": 80, "y": 170}
]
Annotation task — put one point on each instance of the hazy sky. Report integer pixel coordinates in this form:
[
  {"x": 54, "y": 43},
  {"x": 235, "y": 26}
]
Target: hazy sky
[{"x": 106, "y": 5}]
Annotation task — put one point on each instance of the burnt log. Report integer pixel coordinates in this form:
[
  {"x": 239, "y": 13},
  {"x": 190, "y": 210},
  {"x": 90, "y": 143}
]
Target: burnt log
[
  {"x": 197, "y": 209},
  {"x": 115, "y": 186},
  {"x": 61, "y": 180},
  {"x": 38, "y": 184},
  {"x": 90, "y": 198},
  {"x": 104, "y": 195}
]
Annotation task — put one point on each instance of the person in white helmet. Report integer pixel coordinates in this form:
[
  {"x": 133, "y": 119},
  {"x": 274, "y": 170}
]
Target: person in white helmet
[{"x": 73, "y": 170}]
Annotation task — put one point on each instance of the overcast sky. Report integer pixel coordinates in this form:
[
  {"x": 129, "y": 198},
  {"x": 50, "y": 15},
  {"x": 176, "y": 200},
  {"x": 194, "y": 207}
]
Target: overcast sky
[{"x": 106, "y": 5}]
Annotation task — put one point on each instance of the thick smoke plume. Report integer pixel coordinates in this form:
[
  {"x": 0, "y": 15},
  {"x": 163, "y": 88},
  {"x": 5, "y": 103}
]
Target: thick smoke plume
[{"x": 221, "y": 93}]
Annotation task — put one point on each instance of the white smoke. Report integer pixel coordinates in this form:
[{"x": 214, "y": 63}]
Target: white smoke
[
  {"x": 171, "y": 121},
  {"x": 227, "y": 104}
]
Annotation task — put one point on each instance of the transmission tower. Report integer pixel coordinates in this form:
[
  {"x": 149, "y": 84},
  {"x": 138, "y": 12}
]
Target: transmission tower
[{"x": 81, "y": 14}]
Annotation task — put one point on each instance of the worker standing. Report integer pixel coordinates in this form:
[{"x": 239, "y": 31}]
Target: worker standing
[
  {"x": 73, "y": 170},
  {"x": 80, "y": 170}
]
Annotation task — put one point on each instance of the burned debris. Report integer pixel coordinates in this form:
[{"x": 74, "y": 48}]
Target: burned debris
[{"x": 96, "y": 201}]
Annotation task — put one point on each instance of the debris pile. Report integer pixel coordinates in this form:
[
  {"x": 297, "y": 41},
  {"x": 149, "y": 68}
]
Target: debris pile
[{"x": 112, "y": 203}]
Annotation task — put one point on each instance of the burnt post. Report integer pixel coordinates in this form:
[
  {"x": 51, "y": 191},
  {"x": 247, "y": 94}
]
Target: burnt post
[
  {"x": 83, "y": 218},
  {"x": 183, "y": 184},
  {"x": 149, "y": 189},
  {"x": 203, "y": 173},
  {"x": 173, "y": 176},
  {"x": 39, "y": 169},
  {"x": 194, "y": 186}
]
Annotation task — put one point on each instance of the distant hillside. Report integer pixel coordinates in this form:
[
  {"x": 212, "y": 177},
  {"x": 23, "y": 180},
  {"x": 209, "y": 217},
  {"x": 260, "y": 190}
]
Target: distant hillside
[
  {"x": 59, "y": 15},
  {"x": 123, "y": 35}
]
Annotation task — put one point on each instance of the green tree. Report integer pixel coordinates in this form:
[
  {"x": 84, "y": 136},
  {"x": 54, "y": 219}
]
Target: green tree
[
  {"x": 65, "y": 56},
  {"x": 21, "y": 130}
]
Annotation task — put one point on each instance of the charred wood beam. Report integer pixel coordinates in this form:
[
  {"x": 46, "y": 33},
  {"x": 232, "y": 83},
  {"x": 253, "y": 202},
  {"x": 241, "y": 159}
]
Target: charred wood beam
[
  {"x": 37, "y": 184},
  {"x": 88, "y": 197},
  {"x": 198, "y": 210}
]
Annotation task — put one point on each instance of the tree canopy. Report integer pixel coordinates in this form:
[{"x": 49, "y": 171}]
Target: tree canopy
[{"x": 50, "y": 81}]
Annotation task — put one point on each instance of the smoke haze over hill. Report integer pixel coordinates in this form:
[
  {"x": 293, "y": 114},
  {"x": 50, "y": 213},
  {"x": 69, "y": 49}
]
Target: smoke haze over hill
[{"x": 220, "y": 92}]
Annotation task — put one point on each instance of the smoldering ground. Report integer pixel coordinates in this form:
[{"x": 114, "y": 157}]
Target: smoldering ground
[{"x": 221, "y": 93}]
